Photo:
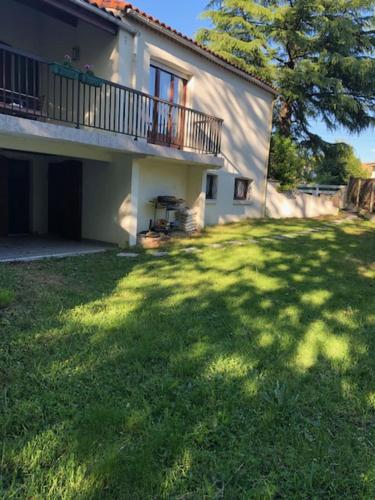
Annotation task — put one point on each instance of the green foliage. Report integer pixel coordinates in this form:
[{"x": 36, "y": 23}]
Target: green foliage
[
  {"x": 338, "y": 163},
  {"x": 238, "y": 372},
  {"x": 286, "y": 162},
  {"x": 320, "y": 54},
  {"x": 6, "y": 297}
]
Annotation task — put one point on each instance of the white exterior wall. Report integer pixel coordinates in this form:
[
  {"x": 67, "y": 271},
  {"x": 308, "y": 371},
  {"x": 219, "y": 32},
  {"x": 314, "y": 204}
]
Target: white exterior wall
[
  {"x": 157, "y": 178},
  {"x": 30, "y": 30},
  {"x": 106, "y": 199},
  {"x": 245, "y": 108},
  {"x": 294, "y": 204}
]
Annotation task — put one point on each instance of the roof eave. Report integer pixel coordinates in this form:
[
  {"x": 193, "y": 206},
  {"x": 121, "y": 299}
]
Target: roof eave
[
  {"x": 91, "y": 6},
  {"x": 196, "y": 48}
]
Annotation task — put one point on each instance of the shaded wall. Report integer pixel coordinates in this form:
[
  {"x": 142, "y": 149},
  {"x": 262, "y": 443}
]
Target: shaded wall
[
  {"x": 105, "y": 198},
  {"x": 299, "y": 205},
  {"x": 30, "y": 30}
]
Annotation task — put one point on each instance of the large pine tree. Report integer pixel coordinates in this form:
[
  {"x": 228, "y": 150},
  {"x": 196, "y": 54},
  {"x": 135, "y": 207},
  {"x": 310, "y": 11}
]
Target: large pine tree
[{"x": 319, "y": 53}]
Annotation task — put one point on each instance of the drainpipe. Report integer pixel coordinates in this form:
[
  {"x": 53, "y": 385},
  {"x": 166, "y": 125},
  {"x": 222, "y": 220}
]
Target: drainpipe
[{"x": 135, "y": 59}]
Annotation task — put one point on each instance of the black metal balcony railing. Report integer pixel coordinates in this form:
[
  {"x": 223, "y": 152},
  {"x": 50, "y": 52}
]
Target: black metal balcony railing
[{"x": 34, "y": 88}]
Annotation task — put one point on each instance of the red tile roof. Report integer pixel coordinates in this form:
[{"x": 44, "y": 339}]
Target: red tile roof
[
  {"x": 98, "y": 4},
  {"x": 128, "y": 8}
]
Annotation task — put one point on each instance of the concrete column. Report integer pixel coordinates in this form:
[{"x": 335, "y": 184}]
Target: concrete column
[
  {"x": 125, "y": 48},
  {"x": 141, "y": 65},
  {"x": 196, "y": 193},
  {"x": 201, "y": 202},
  {"x": 132, "y": 216}
]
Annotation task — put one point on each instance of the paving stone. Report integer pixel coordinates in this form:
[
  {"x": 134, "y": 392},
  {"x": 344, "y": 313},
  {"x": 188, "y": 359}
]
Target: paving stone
[
  {"x": 235, "y": 243},
  {"x": 216, "y": 245},
  {"x": 252, "y": 240},
  {"x": 191, "y": 250},
  {"x": 159, "y": 254},
  {"x": 280, "y": 237},
  {"x": 291, "y": 236},
  {"x": 128, "y": 255}
]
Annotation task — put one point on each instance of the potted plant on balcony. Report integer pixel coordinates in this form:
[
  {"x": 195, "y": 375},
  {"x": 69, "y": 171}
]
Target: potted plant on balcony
[
  {"x": 66, "y": 69},
  {"x": 89, "y": 77}
]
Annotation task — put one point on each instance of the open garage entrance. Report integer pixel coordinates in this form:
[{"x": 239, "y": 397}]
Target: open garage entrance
[{"x": 41, "y": 199}]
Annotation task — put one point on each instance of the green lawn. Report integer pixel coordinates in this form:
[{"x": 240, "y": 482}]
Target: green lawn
[{"x": 237, "y": 372}]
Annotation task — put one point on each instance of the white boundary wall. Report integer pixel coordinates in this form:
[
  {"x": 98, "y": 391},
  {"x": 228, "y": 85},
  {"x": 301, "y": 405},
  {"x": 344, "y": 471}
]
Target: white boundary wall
[{"x": 295, "y": 204}]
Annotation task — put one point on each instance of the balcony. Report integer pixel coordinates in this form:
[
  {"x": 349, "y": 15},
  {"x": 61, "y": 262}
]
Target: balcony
[{"x": 36, "y": 89}]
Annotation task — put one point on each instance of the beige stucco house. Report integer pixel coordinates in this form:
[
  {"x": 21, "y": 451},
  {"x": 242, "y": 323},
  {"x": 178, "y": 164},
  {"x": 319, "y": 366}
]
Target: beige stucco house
[
  {"x": 83, "y": 157},
  {"x": 370, "y": 168}
]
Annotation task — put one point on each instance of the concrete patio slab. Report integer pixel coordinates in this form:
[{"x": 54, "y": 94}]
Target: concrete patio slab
[{"x": 31, "y": 248}]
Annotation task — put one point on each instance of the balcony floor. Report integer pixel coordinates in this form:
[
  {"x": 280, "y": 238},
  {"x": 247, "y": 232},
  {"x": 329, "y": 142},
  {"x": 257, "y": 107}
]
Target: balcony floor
[
  {"x": 30, "y": 248},
  {"x": 22, "y": 134}
]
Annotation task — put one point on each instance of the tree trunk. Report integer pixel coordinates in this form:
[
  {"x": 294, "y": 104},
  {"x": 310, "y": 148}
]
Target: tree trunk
[{"x": 285, "y": 118}]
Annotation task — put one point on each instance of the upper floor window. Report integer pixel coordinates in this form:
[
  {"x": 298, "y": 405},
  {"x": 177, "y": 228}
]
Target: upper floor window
[
  {"x": 211, "y": 187},
  {"x": 242, "y": 189},
  {"x": 167, "y": 120},
  {"x": 167, "y": 86}
]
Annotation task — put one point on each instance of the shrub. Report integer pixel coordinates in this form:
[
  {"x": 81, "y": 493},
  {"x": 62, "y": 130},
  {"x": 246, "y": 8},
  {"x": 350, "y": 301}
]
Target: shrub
[
  {"x": 338, "y": 164},
  {"x": 286, "y": 162}
]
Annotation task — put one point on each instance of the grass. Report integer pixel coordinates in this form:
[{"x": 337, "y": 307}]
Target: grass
[
  {"x": 238, "y": 372},
  {"x": 6, "y": 297}
]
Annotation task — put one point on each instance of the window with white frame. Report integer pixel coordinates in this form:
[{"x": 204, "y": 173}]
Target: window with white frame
[
  {"x": 211, "y": 187},
  {"x": 242, "y": 189}
]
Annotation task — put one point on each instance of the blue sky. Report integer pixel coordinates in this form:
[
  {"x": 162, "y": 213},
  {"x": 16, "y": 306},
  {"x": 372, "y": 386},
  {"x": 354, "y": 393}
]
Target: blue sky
[{"x": 183, "y": 15}]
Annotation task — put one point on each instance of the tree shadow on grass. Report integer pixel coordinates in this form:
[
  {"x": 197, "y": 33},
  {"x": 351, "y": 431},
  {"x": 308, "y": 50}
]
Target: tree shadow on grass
[{"x": 228, "y": 374}]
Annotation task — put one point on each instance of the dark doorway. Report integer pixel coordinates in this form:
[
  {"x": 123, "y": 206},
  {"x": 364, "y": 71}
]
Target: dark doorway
[
  {"x": 65, "y": 199},
  {"x": 18, "y": 197},
  {"x": 4, "y": 222},
  {"x": 14, "y": 196}
]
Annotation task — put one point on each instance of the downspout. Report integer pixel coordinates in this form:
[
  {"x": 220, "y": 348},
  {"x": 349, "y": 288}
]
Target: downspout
[{"x": 136, "y": 36}]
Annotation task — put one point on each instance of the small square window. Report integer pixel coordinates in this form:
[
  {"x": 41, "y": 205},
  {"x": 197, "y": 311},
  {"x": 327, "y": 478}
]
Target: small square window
[
  {"x": 211, "y": 187},
  {"x": 242, "y": 188}
]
